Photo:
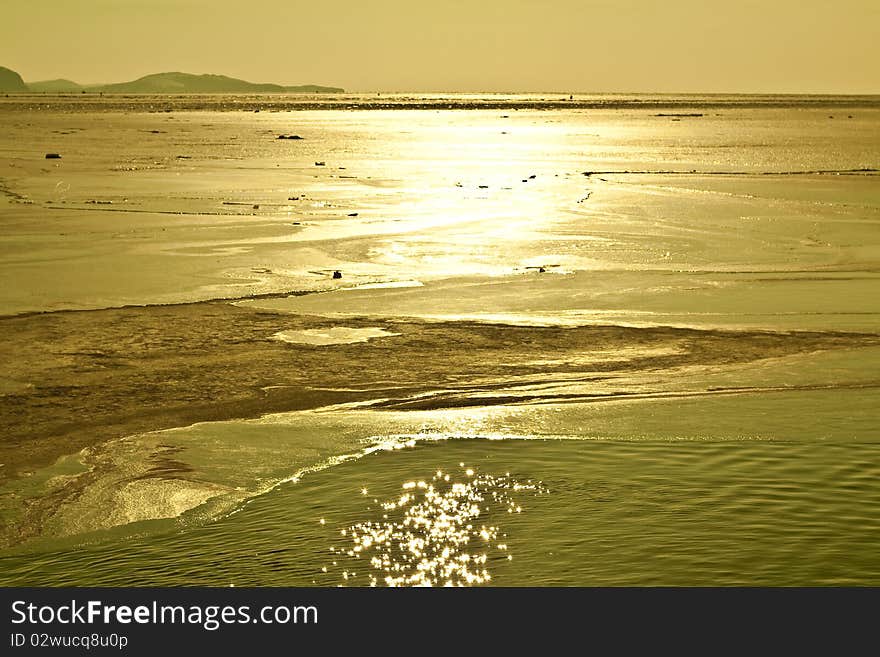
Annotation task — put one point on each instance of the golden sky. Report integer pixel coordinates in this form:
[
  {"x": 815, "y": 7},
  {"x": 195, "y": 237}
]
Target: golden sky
[{"x": 828, "y": 46}]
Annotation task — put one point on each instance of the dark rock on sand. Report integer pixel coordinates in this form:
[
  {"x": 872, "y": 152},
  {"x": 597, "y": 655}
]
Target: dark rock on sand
[{"x": 53, "y": 156}]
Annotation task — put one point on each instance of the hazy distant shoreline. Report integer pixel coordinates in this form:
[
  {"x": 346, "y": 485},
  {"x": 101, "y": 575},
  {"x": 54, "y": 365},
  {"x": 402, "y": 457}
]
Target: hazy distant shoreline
[{"x": 276, "y": 102}]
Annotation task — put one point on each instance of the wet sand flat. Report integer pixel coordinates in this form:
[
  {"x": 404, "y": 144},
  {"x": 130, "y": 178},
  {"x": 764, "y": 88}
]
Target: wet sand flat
[
  {"x": 199, "y": 319},
  {"x": 78, "y": 379}
]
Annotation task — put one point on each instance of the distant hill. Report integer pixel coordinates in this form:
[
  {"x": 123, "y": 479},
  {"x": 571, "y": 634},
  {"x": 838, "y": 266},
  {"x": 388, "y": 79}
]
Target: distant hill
[
  {"x": 159, "y": 83},
  {"x": 55, "y": 86},
  {"x": 11, "y": 81},
  {"x": 187, "y": 83}
]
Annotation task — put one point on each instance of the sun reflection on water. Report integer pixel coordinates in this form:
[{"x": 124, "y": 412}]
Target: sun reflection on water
[{"x": 438, "y": 532}]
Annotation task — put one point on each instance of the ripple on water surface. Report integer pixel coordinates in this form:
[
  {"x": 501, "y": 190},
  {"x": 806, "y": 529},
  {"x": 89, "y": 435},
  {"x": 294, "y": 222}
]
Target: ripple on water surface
[{"x": 527, "y": 512}]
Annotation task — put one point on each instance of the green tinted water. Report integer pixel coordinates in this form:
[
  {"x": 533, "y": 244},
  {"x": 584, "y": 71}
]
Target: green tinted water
[{"x": 588, "y": 513}]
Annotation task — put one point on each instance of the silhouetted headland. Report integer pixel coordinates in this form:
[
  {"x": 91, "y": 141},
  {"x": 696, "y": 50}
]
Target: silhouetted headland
[
  {"x": 159, "y": 83},
  {"x": 11, "y": 81}
]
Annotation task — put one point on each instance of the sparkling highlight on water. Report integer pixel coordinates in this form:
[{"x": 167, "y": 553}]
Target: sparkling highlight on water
[{"x": 440, "y": 532}]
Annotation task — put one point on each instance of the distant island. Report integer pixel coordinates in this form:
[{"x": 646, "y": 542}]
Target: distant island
[{"x": 158, "y": 83}]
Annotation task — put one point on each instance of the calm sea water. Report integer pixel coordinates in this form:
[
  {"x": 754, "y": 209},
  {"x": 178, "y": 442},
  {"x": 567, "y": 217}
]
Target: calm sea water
[{"x": 668, "y": 459}]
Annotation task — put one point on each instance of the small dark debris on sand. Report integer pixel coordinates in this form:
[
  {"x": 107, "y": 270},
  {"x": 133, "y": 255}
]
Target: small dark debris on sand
[
  {"x": 289, "y": 137},
  {"x": 337, "y": 274},
  {"x": 681, "y": 115},
  {"x": 352, "y": 214},
  {"x": 541, "y": 269},
  {"x": 53, "y": 156},
  {"x": 320, "y": 164}
]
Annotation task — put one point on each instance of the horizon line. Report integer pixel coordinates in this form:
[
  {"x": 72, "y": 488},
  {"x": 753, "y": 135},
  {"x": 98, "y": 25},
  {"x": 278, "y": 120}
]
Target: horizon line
[{"x": 566, "y": 92}]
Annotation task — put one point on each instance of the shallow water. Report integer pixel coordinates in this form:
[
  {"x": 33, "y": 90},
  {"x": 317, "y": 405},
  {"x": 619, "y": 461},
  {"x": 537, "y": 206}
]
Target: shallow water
[
  {"x": 565, "y": 513},
  {"x": 197, "y": 205},
  {"x": 509, "y": 277},
  {"x": 781, "y": 488}
]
